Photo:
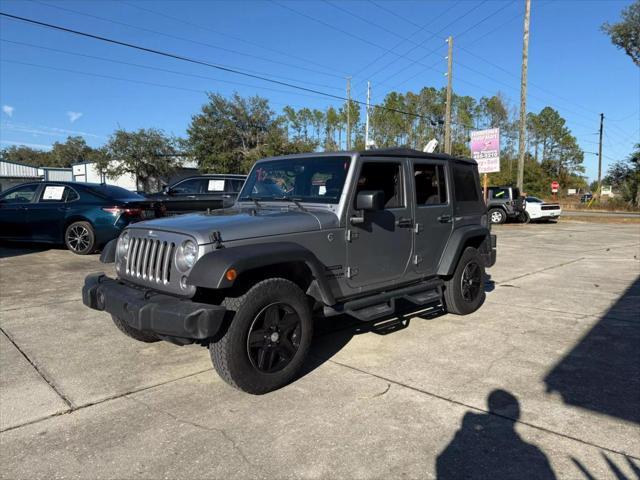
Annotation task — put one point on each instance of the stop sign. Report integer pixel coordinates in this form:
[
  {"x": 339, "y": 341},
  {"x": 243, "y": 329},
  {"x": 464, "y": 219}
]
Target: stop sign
[{"x": 555, "y": 186}]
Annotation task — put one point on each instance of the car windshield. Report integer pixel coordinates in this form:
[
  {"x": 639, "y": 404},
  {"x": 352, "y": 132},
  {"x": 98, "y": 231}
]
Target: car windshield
[
  {"x": 308, "y": 179},
  {"x": 534, "y": 200}
]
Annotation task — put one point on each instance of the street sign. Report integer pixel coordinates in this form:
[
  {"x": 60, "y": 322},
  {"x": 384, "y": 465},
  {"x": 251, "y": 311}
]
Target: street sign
[
  {"x": 485, "y": 149},
  {"x": 554, "y": 187}
]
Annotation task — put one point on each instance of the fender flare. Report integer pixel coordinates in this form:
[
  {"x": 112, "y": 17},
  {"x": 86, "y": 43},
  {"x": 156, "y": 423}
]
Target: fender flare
[
  {"x": 209, "y": 271},
  {"x": 108, "y": 254},
  {"x": 456, "y": 244}
]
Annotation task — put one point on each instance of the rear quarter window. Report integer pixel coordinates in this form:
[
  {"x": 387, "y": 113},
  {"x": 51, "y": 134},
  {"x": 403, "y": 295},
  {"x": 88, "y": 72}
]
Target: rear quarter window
[{"x": 464, "y": 183}]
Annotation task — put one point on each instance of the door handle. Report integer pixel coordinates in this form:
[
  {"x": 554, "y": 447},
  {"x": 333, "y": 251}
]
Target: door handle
[
  {"x": 444, "y": 218},
  {"x": 403, "y": 222}
]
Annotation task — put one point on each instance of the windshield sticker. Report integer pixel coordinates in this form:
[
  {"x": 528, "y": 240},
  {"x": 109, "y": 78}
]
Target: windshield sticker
[
  {"x": 216, "y": 186},
  {"x": 53, "y": 193}
]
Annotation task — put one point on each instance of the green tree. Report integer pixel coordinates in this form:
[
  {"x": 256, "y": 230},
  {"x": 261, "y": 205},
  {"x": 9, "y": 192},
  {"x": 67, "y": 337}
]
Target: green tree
[
  {"x": 147, "y": 154},
  {"x": 624, "y": 177},
  {"x": 73, "y": 150},
  {"x": 626, "y": 33},
  {"x": 25, "y": 155}
]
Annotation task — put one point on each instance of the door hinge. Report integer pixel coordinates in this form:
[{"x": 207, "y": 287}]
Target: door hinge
[
  {"x": 352, "y": 272},
  {"x": 417, "y": 228},
  {"x": 351, "y": 235},
  {"x": 417, "y": 259}
]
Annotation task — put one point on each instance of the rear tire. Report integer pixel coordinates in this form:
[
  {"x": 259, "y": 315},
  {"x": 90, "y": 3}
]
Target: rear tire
[
  {"x": 464, "y": 291},
  {"x": 132, "y": 332},
  {"x": 497, "y": 215},
  {"x": 524, "y": 217},
  {"x": 268, "y": 337},
  {"x": 80, "y": 238}
]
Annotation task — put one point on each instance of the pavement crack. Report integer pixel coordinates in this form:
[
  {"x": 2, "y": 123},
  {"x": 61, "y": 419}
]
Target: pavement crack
[
  {"x": 384, "y": 392},
  {"x": 478, "y": 409},
  {"x": 53, "y": 386},
  {"x": 541, "y": 270},
  {"x": 219, "y": 431}
]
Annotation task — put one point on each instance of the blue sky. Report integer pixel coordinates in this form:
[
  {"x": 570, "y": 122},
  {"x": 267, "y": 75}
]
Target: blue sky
[{"x": 398, "y": 45}]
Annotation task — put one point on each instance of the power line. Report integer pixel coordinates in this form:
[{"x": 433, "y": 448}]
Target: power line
[
  {"x": 199, "y": 62},
  {"x": 233, "y": 37},
  {"x": 184, "y": 39}
]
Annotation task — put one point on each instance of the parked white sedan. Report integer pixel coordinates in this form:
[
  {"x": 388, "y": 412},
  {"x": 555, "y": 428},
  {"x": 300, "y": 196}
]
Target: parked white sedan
[{"x": 538, "y": 210}]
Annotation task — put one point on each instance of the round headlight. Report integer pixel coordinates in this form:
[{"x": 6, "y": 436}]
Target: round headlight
[
  {"x": 187, "y": 255},
  {"x": 123, "y": 244}
]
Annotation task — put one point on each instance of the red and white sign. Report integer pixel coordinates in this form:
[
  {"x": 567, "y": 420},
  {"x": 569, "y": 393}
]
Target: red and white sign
[{"x": 554, "y": 187}]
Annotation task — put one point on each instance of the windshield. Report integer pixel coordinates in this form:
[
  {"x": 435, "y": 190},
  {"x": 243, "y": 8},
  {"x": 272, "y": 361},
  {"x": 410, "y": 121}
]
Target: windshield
[
  {"x": 308, "y": 179},
  {"x": 116, "y": 193},
  {"x": 534, "y": 200}
]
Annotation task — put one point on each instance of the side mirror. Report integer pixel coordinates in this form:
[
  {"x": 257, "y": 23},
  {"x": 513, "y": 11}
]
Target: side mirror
[{"x": 370, "y": 200}]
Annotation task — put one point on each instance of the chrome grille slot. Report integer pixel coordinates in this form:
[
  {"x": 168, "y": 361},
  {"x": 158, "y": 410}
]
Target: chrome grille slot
[{"x": 150, "y": 259}]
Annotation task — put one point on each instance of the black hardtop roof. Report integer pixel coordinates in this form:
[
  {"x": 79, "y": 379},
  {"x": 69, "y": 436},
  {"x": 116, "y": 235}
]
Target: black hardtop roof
[{"x": 409, "y": 152}]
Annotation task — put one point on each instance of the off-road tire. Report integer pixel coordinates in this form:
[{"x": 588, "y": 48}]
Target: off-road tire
[
  {"x": 453, "y": 295},
  {"x": 497, "y": 216},
  {"x": 523, "y": 217},
  {"x": 230, "y": 355},
  {"x": 132, "y": 332},
  {"x": 74, "y": 232}
]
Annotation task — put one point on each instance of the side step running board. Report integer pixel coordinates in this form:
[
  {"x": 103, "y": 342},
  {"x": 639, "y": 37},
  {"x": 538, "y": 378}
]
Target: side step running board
[{"x": 384, "y": 304}]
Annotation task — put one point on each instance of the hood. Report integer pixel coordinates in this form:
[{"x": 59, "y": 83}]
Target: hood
[{"x": 237, "y": 224}]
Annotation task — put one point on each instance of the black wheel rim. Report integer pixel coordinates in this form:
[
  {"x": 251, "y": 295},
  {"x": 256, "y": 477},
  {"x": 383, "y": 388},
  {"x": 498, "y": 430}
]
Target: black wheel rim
[
  {"x": 274, "y": 337},
  {"x": 471, "y": 281},
  {"x": 78, "y": 238}
]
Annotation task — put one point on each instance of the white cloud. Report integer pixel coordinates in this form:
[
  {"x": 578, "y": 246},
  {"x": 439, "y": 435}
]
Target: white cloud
[
  {"x": 73, "y": 116},
  {"x": 45, "y": 130},
  {"x": 8, "y": 109}
]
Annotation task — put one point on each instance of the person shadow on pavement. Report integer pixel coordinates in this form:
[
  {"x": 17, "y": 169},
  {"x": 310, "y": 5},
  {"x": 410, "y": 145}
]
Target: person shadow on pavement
[{"x": 487, "y": 446}]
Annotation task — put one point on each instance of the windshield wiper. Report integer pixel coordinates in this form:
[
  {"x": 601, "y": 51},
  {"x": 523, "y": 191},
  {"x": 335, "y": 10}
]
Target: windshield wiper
[{"x": 295, "y": 200}]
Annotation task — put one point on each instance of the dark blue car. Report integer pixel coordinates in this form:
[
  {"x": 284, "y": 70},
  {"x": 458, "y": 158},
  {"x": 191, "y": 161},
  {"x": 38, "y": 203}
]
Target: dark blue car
[{"x": 83, "y": 216}]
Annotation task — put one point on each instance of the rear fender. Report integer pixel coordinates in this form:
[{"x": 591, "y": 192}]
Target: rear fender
[{"x": 456, "y": 245}]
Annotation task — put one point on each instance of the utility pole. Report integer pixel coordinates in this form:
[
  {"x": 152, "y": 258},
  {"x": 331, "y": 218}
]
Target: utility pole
[
  {"x": 366, "y": 125},
  {"x": 348, "y": 113},
  {"x": 523, "y": 96},
  {"x": 447, "y": 113},
  {"x": 600, "y": 154}
]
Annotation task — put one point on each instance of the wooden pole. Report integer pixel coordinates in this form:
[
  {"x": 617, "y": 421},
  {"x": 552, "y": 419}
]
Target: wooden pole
[
  {"x": 485, "y": 183},
  {"x": 523, "y": 96}
]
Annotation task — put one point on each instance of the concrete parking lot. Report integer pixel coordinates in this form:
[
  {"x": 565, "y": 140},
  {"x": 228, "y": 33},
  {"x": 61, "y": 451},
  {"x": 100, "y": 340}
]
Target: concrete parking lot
[{"x": 542, "y": 382}]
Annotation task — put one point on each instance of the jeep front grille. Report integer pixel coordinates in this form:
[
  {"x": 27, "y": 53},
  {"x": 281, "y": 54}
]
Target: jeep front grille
[{"x": 150, "y": 259}]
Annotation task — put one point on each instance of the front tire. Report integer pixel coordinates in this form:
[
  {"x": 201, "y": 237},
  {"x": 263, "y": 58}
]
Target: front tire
[
  {"x": 80, "y": 238},
  {"x": 497, "y": 215},
  {"x": 464, "y": 291},
  {"x": 268, "y": 337},
  {"x": 132, "y": 332}
]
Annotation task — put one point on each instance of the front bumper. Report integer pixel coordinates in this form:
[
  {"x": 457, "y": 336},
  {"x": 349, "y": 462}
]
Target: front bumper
[{"x": 146, "y": 310}]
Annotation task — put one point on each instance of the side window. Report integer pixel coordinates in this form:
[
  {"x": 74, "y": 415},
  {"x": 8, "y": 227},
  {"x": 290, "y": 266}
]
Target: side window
[
  {"x": 23, "y": 194},
  {"x": 430, "y": 184},
  {"x": 499, "y": 194},
  {"x": 189, "y": 187},
  {"x": 386, "y": 177},
  {"x": 72, "y": 195},
  {"x": 464, "y": 182},
  {"x": 53, "y": 193},
  {"x": 234, "y": 186}
]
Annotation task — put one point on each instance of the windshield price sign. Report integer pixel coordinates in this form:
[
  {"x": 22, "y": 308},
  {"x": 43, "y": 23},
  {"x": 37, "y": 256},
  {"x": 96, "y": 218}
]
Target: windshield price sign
[{"x": 485, "y": 149}]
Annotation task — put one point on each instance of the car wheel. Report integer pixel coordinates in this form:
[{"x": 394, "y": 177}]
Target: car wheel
[
  {"x": 132, "y": 332},
  {"x": 80, "y": 238},
  {"x": 464, "y": 291},
  {"x": 497, "y": 215},
  {"x": 524, "y": 217},
  {"x": 268, "y": 337}
]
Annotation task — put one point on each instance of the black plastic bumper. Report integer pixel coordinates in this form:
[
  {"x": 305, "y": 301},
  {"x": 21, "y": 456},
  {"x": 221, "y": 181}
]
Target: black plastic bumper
[{"x": 150, "y": 311}]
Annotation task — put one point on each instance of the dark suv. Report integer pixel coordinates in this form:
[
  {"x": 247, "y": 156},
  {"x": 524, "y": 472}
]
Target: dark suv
[
  {"x": 505, "y": 203},
  {"x": 331, "y": 233},
  {"x": 199, "y": 193}
]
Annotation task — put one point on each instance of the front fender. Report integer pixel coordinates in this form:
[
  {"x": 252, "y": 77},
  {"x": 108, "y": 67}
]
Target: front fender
[{"x": 209, "y": 271}]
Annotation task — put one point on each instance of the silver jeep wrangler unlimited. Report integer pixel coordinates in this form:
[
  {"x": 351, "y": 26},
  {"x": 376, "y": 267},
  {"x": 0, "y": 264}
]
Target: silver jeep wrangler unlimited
[{"x": 330, "y": 233}]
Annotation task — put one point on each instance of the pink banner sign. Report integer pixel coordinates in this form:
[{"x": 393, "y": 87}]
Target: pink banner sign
[{"x": 485, "y": 149}]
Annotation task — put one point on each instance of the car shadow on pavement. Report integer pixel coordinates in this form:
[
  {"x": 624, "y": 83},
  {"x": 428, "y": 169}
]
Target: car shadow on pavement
[
  {"x": 332, "y": 334},
  {"x": 487, "y": 446},
  {"x": 10, "y": 249},
  {"x": 602, "y": 371}
]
